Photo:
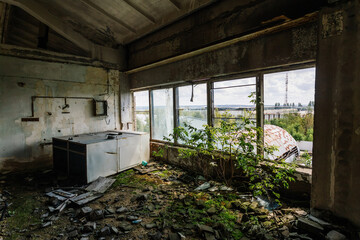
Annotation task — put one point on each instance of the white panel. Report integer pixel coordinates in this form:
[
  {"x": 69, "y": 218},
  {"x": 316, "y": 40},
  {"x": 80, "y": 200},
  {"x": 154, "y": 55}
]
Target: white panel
[
  {"x": 102, "y": 159},
  {"x": 130, "y": 147}
]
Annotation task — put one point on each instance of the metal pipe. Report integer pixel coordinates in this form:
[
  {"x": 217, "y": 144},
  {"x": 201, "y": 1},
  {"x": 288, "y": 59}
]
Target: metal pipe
[{"x": 50, "y": 97}]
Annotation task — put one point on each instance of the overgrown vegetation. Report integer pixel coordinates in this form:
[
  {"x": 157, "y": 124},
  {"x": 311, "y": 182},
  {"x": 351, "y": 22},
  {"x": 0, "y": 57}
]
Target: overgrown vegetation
[
  {"x": 231, "y": 145},
  {"x": 22, "y": 214},
  {"x": 300, "y": 127},
  {"x": 129, "y": 178},
  {"x": 203, "y": 208}
]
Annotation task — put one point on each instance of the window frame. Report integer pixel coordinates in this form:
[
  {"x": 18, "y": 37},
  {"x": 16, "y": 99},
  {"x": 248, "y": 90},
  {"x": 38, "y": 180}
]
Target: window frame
[{"x": 259, "y": 86}]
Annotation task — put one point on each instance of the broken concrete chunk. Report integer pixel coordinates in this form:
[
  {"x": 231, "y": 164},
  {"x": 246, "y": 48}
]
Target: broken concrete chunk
[
  {"x": 114, "y": 230},
  {"x": 132, "y": 218},
  {"x": 125, "y": 226},
  {"x": 209, "y": 236},
  {"x": 319, "y": 221},
  {"x": 46, "y": 224},
  {"x": 225, "y": 188},
  {"x": 89, "y": 227},
  {"x": 85, "y": 211},
  {"x": 105, "y": 231},
  {"x": 205, "y": 228},
  {"x": 174, "y": 236},
  {"x": 73, "y": 234},
  {"x": 309, "y": 226},
  {"x": 121, "y": 210},
  {"x": 96, "y": 215},
  {"x": 100, "y": 185},
  {"x": 300, "y": 212},
  {"x": 335, "y": 235},
  {"x": 203, "y": 186},
  {"x": 140, "y": 197},
  {"x": 155, "y": 236},
  {"x": 150, "y": 225},
  {"x": 214, "y": 188}
]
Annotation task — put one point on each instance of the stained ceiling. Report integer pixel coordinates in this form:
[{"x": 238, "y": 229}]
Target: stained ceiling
[{"x": 117, "y": 22}]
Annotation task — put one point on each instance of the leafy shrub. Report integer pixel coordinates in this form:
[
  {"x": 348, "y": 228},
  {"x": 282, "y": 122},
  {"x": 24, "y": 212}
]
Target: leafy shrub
[{"x": 234, "y": 145}]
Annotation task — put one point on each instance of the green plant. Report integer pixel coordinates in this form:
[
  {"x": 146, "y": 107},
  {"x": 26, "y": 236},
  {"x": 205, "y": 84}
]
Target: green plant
[
  {"x": 231, "y": 145},
  {"x": 306, "y": 159}
]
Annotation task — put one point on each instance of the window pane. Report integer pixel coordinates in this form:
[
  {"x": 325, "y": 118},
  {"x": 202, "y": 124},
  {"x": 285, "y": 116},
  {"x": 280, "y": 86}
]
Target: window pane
[
  {"x": 234, "y": 100},
  {"x": 289, "y": 105},
  {"x": 141, "y": 100},
  {"x": 163, "y": 116},
  {"x": 193, "y": 112}
]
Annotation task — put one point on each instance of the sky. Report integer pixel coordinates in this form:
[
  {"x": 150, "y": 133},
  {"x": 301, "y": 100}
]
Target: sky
[{"x": 301, "y": 89}]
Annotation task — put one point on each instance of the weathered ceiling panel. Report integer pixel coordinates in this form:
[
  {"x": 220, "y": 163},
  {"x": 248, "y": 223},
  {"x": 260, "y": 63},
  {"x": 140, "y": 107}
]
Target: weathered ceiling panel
[
  {"x": 87, "y": 20},
  {"x": 112, "y": 23}
]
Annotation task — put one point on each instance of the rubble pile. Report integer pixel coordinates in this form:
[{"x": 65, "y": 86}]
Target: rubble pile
[{"x": 159, "y": 201}]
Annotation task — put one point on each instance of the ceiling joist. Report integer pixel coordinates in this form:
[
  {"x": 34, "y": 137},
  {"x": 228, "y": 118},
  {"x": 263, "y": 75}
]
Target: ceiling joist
[
  {"x": 102, "y": 11},
  {"x": 43, "y": 15},
  {"x": 175, "y": 4},
  {"x": 137, "y": 9}
]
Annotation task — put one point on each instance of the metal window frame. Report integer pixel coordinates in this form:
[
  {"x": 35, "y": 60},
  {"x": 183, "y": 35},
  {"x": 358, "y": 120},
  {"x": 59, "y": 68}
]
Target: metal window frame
[{"x": 257, "y": 74}]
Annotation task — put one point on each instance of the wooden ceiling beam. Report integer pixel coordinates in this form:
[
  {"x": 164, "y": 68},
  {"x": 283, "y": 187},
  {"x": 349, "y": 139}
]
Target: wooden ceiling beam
[
  {"x": 142, "y": 12},
  {"x": 102, "y": 11},
  {"x": 41, "y": 13},
  {"x": 175, "y": 4}
]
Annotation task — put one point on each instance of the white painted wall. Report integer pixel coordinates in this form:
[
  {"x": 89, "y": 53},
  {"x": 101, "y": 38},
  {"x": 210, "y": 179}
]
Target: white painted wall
[{"x": 20, "y": 147}]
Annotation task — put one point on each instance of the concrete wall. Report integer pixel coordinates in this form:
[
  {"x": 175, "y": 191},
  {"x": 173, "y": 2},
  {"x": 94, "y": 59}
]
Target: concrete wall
[
  {"x": 336, "y": 162},
  {"x": 221, "y": 21},
  {"x": 299, "y": 190},
  {"x": 20, "y": 141},
  {"x": 295, "y": 45}
]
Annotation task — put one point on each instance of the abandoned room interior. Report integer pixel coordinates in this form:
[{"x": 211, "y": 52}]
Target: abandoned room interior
[{"x": 179, "y": 119}]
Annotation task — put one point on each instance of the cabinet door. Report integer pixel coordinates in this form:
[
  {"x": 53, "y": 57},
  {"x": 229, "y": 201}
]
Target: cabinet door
[
  {"x": 102, "y": 159},
  {"x": 129, "y": 148}
]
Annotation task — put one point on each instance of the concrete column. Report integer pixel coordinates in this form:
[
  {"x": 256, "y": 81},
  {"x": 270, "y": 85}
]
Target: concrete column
[{"x": 336, "y": 164}]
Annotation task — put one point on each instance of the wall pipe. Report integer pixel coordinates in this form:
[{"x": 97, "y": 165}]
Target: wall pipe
[{"x": 33, "y": 98}]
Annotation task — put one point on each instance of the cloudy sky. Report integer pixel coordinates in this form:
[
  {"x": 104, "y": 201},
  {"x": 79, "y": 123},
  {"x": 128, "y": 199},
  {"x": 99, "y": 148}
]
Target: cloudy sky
[{"x": 301, "y": 89}]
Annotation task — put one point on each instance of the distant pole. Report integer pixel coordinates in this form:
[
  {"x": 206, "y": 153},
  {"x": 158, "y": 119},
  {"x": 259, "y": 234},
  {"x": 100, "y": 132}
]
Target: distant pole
[{"x": 286, "y": 89}]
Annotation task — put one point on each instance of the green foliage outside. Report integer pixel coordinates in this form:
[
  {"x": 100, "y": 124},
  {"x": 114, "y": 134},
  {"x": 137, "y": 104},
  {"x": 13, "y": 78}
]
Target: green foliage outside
[
  {"x": 141, "y": 126},
  {"x": 301, "y": 128},
  {"x": 234, "y": 145}
]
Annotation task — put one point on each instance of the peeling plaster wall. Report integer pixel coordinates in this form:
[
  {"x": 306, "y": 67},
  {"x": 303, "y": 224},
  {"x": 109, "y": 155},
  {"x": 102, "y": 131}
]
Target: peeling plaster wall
[{"x": 20, "y": 142}]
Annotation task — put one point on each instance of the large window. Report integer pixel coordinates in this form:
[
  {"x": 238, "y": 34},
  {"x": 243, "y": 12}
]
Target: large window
[
  {"x": 288, "y": 109},
  {"x": 141, "y": 100},
  {"x": 162, "y": 113},
  {"x": 192, "y": 105},
  {"x": 289, "y": 104},
  {"x": 232, "y": 100}
]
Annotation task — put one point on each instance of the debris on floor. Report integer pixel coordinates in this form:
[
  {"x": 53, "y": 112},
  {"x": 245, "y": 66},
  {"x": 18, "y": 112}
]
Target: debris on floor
[{"x": 156, "y": 201}]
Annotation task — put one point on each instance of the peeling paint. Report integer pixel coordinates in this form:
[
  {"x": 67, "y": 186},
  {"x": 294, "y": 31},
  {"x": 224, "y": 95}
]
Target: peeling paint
[{"x": 20, "y": 144}]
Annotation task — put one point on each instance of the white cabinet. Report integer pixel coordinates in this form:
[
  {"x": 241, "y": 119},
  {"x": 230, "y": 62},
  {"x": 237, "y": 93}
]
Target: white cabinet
[{"x": 87, "y": 156}]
